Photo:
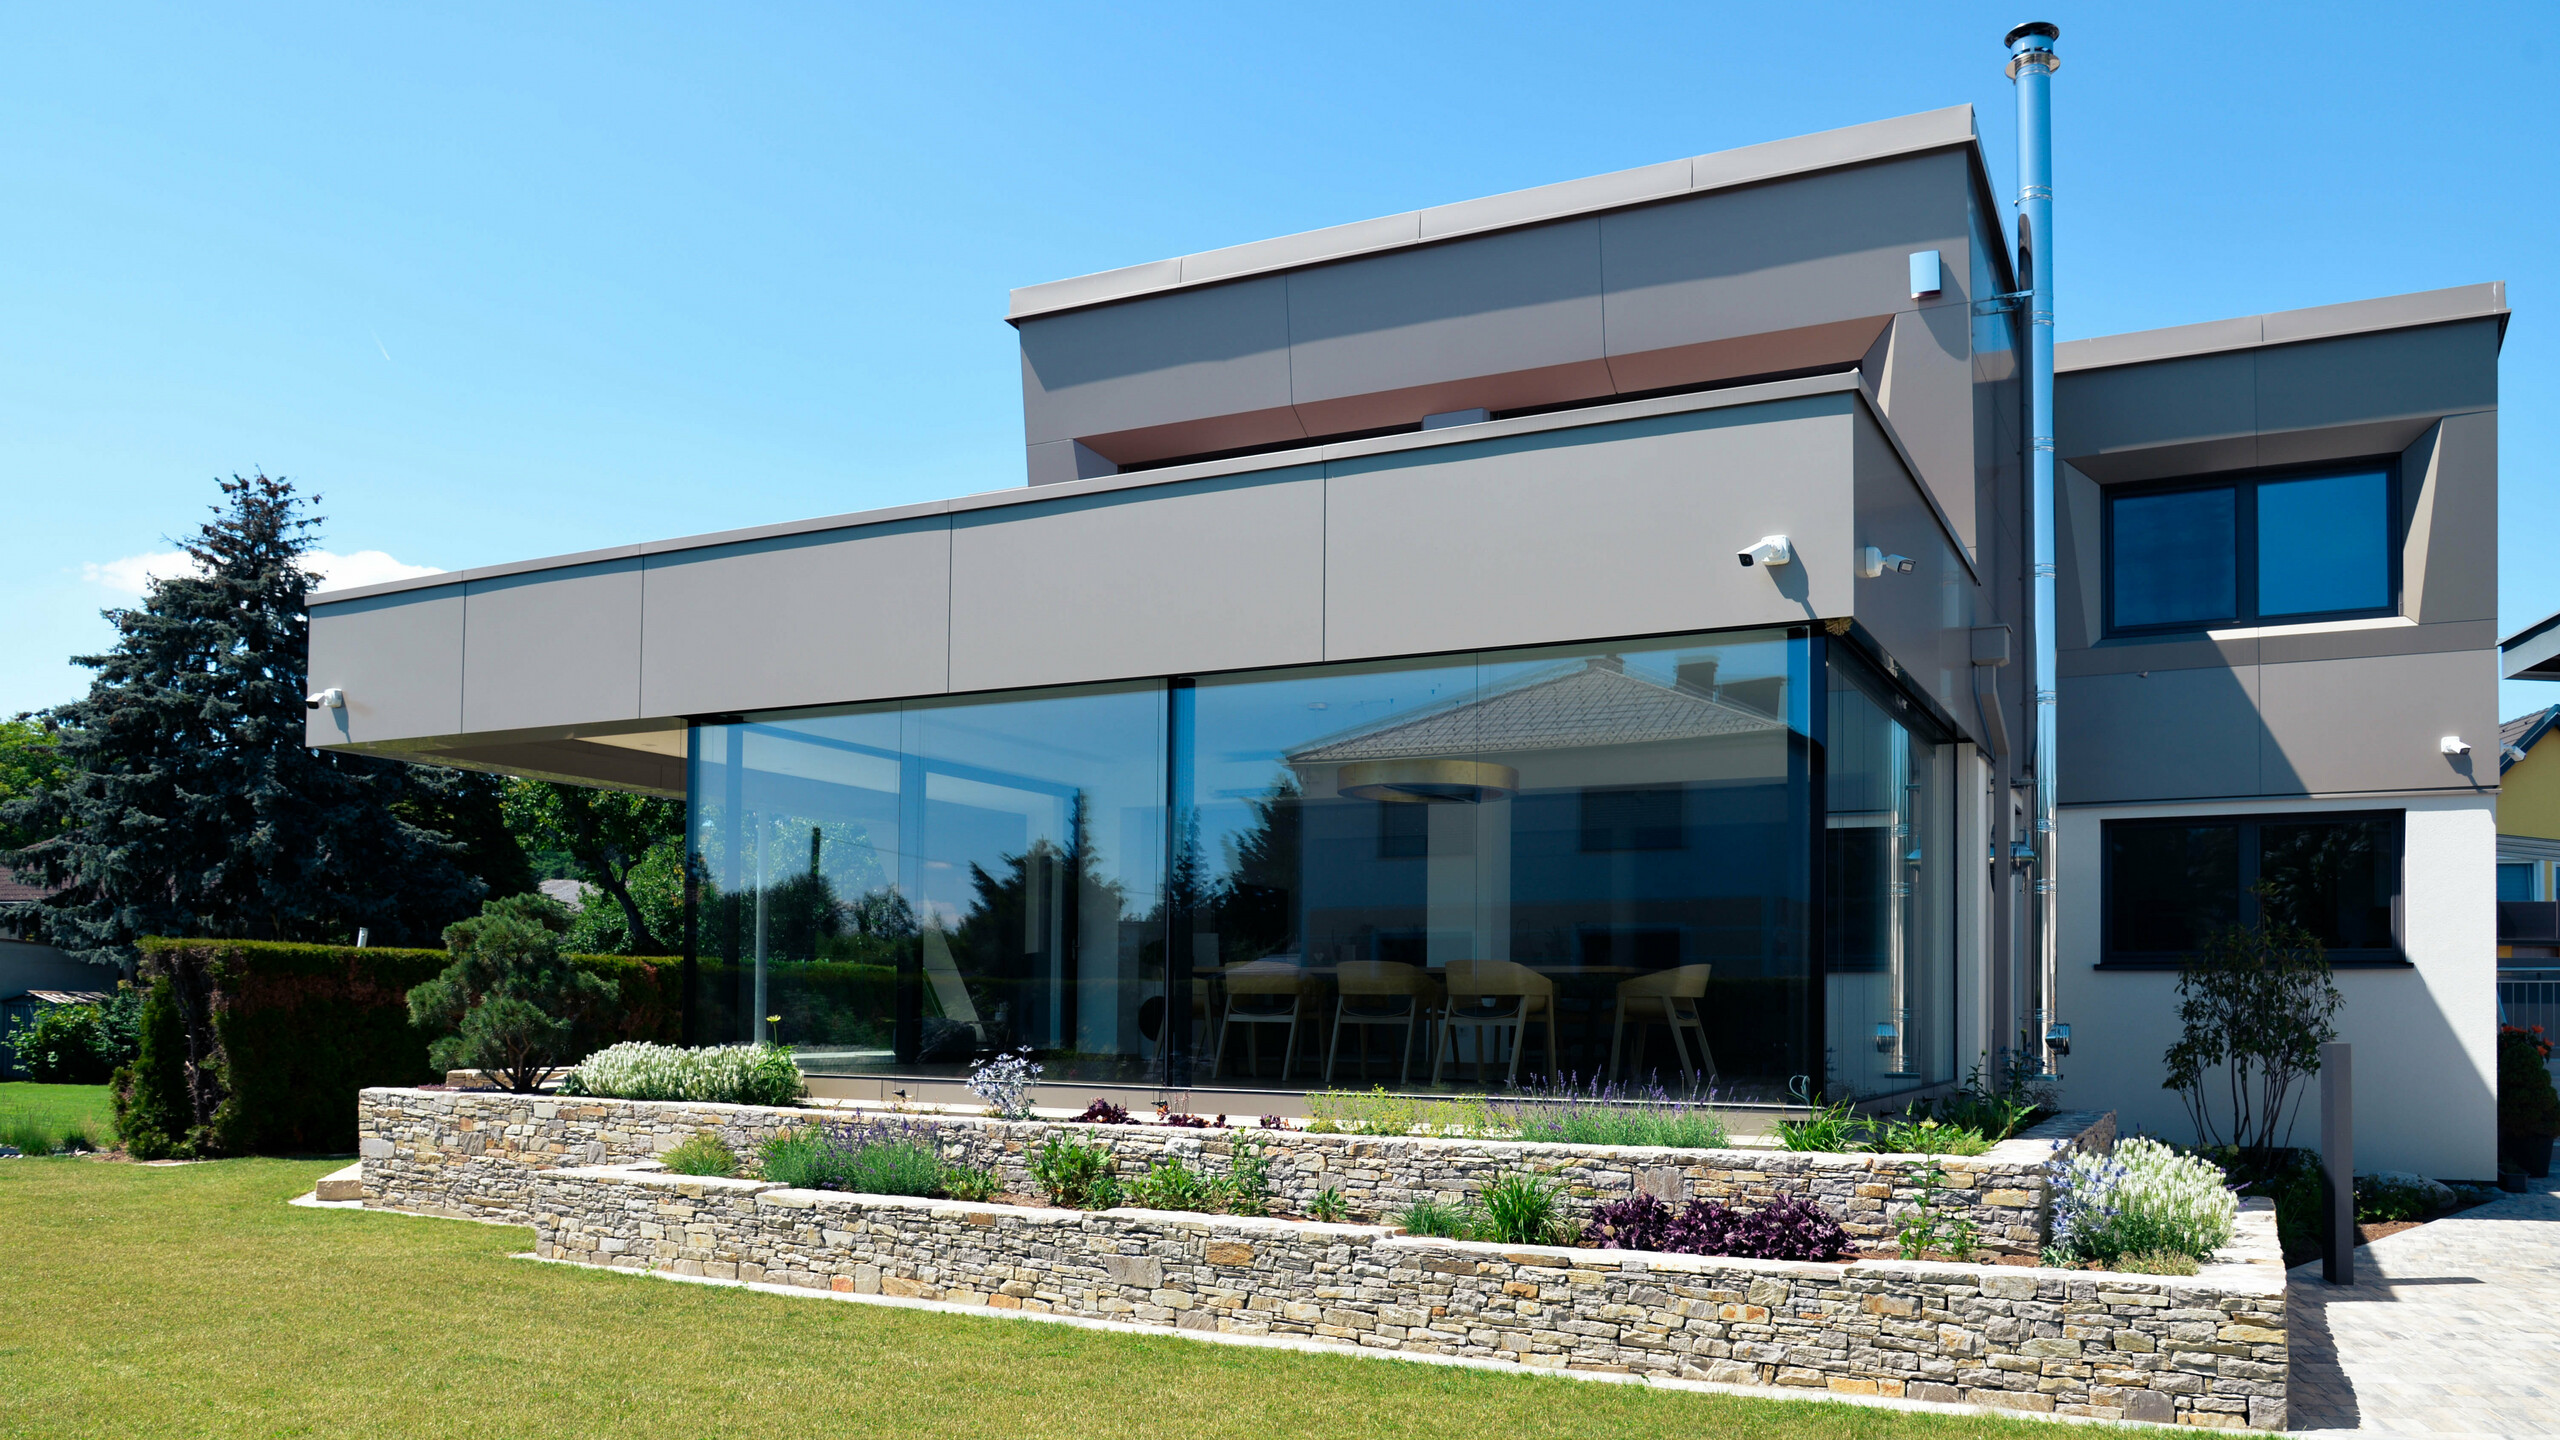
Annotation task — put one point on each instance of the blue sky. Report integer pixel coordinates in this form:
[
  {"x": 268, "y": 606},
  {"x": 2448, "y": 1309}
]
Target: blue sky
[{"x": 509, "y": 281}]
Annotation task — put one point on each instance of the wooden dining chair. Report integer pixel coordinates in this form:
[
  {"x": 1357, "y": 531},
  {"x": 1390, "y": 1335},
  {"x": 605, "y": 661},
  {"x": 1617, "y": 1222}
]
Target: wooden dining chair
[
  {"x": 1381, "y": 992},
  {"x": 1666, "y": 997},
  {"x": 1259, "y": 993},
  {"x": 1489, "y": 997}
]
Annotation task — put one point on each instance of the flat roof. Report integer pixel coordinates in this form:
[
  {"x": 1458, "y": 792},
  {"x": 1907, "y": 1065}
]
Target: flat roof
[
  {"x": 2285, "y": 327},
  {"x": 1723, "y": 170},
  {"x": 2532, "y": 653},
  {"x": 1765, "y": 392}
]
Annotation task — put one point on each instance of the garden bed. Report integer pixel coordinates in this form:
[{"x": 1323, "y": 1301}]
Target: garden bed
[
  {"x": 478, "y": 1153},
  {"x": 2209, "y": 1349}
]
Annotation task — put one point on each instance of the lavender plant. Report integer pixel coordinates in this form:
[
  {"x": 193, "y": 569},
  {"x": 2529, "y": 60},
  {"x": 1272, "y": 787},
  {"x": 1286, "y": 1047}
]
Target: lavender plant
[
  {"x": 1005, "y": 1083},
  {"x": 2144, "y": 1198},
  {"x": 1604, "y": 1113}
]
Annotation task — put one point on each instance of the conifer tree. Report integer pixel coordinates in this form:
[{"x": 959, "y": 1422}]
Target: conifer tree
[{"x": 189, "y": 803}]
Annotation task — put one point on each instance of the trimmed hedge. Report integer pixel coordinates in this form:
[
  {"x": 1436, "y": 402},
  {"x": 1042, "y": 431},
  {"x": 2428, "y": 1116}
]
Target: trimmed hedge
[{"x": 259, "y": 1047}]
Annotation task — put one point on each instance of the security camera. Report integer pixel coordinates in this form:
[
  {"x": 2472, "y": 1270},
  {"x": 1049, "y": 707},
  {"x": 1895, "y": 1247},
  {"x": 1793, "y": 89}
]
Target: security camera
[
  {"x": 1768, "y": 550},
  {"x": 333, "y": 699},
  {"x": 2454, "y": 745},
  {"x": 1873, "y": 562}
]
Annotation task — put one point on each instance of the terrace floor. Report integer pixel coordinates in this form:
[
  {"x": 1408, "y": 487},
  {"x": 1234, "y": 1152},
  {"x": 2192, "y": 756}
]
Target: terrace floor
[{"x": 2452, "y": 1329}]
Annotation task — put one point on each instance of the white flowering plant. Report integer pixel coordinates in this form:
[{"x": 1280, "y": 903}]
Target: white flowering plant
[
  {"x": 1005, "y": 1083},
  {"x": 2144, "y": 1199},
  {"x": 720, "y": 1074}
]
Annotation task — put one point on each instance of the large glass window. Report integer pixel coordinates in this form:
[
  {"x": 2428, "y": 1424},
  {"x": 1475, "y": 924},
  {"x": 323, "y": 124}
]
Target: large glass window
[
  {"x": 2172, "y": 883},
  {"x": 1888, "y": 900},
  {"x": 1349, "y": 874},
  {"x": 2257, "y": 548},
  {"x": 1577, "y": 825},
  {"x": 926, "y": 883}
]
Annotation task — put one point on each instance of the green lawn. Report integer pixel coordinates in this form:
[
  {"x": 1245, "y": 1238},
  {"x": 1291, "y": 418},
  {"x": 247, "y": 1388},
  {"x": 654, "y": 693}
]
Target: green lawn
[
  {"x": 190, "y": 1300},
  {"x": 37, "y": 1118}
]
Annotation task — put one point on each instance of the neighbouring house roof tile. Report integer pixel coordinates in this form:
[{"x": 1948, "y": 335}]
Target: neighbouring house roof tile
[{"x": 2524, "y": 732}]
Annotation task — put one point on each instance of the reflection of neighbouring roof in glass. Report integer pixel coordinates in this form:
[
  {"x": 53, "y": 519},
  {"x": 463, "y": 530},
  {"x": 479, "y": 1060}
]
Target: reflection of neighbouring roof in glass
[{"x": 1595, "y": 703}]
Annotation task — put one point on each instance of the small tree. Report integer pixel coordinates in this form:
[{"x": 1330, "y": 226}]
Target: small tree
[
  {"x": 2257, "y": 1003},
  {"x": 510, "y": 1001}
]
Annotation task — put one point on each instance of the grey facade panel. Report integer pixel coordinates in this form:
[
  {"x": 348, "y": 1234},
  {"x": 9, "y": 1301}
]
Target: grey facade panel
[
  {"x": 2173, "y": 735},
  {"x": 2431, "y": 371},
  {"x": 1218, "y": 574},
  {"x": 1924, "y": 617},
  {"x": 1928, "y": 395},
  {"x": 552, "y": 647},
  {"x": 2449, "y": 484},
  {"x": 1775, "y": 258},
  {"x": 1390, "y": 339},
  {"x": 1944, "y": 129},
  {"x": 2377, "y": 723},
  {"x": 2185, "y": 417},
  {"x": 798, "y": 620},
  {"x": 1217, "y": 352},
  {"x": 1620, "y": 530},
  {"x": 2345, "y": 644},
  {"x": 398, "y": 657}
]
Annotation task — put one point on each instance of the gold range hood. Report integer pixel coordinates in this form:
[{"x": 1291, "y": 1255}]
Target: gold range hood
[{"x": 1427, "y": 782}]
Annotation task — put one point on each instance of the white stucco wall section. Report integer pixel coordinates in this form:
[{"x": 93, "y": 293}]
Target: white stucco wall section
[{"x": 2425, "y": 1038}]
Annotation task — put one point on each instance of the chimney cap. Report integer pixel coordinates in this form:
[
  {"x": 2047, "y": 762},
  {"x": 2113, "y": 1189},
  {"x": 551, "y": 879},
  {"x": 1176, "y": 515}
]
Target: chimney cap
[{"x": 2043, "y": 29}]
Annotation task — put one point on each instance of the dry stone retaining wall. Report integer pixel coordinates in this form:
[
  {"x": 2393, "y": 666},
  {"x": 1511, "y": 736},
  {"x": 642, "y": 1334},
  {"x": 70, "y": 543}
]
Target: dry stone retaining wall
[
  {"x": 2207, "y": 1350},
  {"x": 478, "y": 1153}
]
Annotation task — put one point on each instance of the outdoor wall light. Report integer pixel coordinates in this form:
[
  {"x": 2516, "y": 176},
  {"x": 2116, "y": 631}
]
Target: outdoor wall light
[
  {"x": 1928, "y": 274},
  {"x": 1873, "y": 562},
  {"x": 2057, "y": 1038},
  {"x": 1768, "y": 550},
  {"x": 1884, "y": 1037},
  {"x": 333, "y": 699}
]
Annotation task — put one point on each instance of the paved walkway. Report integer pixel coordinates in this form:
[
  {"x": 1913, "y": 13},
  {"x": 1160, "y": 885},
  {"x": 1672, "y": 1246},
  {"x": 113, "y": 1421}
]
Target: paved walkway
[{"x": 2452, "y": 1329}]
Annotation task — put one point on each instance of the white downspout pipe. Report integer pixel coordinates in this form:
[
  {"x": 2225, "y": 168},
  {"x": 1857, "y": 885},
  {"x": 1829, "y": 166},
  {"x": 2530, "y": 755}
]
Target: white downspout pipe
[{"x": 2031, "y": 66}]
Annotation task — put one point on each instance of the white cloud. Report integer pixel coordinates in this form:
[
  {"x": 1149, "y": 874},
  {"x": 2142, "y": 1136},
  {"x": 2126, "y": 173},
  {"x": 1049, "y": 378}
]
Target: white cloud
[
  {"x": 365, "y": 567},
  {"x": 132, "y": 575}
]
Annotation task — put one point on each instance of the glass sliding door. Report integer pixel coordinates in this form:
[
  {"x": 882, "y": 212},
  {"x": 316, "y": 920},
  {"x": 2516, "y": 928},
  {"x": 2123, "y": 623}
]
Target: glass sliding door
[
  {"x": 927, "y": 883},
  {"x": 1888, "y": 892}
]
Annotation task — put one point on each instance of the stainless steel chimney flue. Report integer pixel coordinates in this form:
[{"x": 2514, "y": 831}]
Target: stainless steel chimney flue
[{"x": 2031, "y": 66}]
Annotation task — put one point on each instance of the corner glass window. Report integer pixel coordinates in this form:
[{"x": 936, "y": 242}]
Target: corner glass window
[
  {"x": 2170, "y": 884},
  {"x": 2269, "y": 548},
  {"x": 1888, "y": 892}
]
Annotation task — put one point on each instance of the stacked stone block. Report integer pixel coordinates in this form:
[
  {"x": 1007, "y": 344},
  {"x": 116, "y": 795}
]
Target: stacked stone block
[
  {"x": 2207, "y": 1350},
  {"x": 476, "y": 1153}
]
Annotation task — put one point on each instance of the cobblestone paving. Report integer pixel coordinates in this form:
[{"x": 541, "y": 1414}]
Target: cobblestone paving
[{"x": 2452, "y": 1329}]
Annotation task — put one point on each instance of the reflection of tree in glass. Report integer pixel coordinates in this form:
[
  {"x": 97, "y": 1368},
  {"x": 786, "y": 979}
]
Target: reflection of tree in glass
[
  {"x": 996, "y": 941},
  {"x": 2319, "y": 877},
  {"x": 1251, "y": 902}
]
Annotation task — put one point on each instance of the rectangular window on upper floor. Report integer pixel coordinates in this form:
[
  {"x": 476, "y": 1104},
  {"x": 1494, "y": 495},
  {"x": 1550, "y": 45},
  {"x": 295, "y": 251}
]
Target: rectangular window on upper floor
[
  {"x": 2276, "y": 547},
  {"x": 2169, "y": 885}
]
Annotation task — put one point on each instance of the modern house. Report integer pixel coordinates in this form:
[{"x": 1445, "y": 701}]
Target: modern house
[{"x": 1594, "y": 607}]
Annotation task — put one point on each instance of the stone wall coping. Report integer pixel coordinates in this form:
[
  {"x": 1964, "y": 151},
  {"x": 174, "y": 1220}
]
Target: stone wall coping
[
  {"x": 661, "y": 1179},
  {"x": 2023, "y": 1153}
]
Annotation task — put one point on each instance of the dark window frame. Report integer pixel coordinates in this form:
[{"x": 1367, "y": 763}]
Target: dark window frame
[
  {"x": 2244, "y": 540},
  {"x": 2392, "y": 957}
]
